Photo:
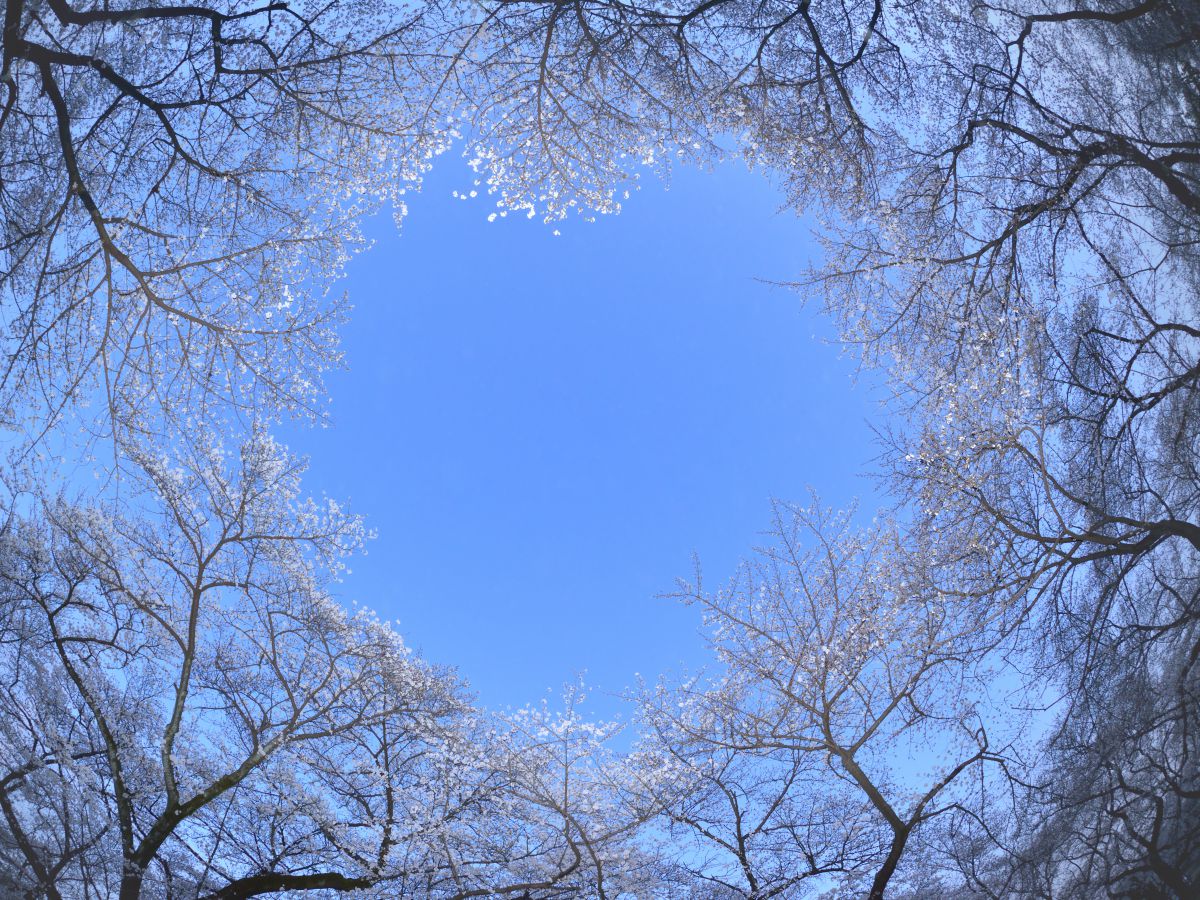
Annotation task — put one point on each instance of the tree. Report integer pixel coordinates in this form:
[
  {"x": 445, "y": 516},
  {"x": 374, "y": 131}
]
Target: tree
[
  {"x": 1032, "y": 288},
  {"x": 847, "y": 720},
  {"x": 180, "y": 185},
  {"x": 1114, "y": 810},
  {"x": 190, "y": 714},
  {"x": 568, "y": 816},
  {"x": 191, "y": 706}
]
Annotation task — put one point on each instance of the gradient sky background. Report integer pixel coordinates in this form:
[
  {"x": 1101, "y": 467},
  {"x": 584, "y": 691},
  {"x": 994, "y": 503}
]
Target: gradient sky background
[{"x": 543, "y": 429}]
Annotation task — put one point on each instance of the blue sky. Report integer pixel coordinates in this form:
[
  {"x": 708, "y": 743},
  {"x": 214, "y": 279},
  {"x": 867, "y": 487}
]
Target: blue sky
[{"x": 543, "y": 429}]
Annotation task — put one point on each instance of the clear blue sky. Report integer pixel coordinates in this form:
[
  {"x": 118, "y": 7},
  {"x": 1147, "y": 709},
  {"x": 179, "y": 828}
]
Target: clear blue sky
[{"x": 544, "y": 429}]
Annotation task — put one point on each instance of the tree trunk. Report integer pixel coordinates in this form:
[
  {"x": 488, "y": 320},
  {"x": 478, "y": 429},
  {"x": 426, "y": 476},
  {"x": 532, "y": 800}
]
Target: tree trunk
[{"x": 884, "y": 875}]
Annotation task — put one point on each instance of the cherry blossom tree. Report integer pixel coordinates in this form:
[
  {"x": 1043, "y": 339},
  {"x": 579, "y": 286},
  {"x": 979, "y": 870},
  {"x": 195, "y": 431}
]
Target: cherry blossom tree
[
  {"x": 568, "y": 814},
  {"x": 847, "y": 719},
  {"x": 188, "y": 702},
  {"x": 179, "y": 187},
  {"x": 190, "y": 714},
  {"x": 1029, "y": 284}
]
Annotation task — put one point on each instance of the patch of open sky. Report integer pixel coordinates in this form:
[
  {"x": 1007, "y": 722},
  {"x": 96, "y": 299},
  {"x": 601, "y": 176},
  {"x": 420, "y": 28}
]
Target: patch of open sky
[{"x": 544, "y": 428}]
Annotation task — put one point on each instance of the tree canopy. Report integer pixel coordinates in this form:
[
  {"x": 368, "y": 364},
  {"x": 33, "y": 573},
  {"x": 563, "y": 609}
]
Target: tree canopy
[{"x": 991, "y": 690}]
